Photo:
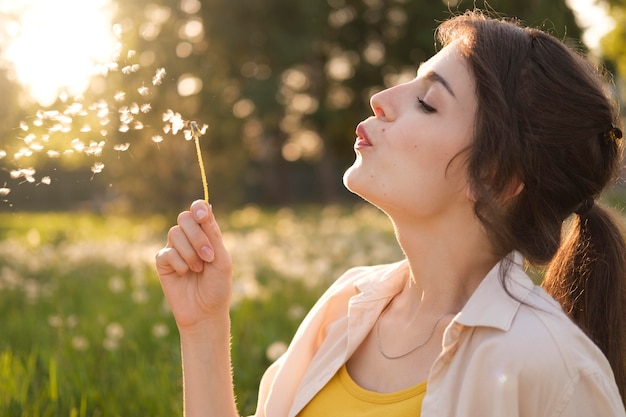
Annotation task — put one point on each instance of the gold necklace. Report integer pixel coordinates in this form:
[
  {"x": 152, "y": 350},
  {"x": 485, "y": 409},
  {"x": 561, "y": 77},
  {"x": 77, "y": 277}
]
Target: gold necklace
[{"x": 402, "y": 355}]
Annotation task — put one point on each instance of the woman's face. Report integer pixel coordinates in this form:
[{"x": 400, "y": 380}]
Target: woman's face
[{"x": 405, "y": 153}]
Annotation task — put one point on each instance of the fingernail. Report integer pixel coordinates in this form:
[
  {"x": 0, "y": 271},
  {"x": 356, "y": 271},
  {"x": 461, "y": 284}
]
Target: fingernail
[
  {"x": 206, "y": 253},
  {"x": 201, "y": 214}
]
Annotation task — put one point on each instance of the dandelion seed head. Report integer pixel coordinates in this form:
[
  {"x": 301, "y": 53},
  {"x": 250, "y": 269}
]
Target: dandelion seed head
[
  {"x": 117, "y": 284},
  {"x": 55, "y": 321},
  {"x": 114, "y": 330}
]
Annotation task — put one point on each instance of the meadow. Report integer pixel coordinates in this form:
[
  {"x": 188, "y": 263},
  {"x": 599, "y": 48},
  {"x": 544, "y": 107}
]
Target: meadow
[{"x": 85, "y": 331}]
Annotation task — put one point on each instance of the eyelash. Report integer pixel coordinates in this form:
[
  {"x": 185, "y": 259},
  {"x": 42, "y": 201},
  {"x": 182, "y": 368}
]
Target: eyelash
[{"x": 425, "y": 106}]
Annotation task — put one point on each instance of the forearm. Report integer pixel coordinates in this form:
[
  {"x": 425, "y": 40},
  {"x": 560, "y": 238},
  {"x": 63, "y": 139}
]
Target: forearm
[{"x": 207, "y": 374}]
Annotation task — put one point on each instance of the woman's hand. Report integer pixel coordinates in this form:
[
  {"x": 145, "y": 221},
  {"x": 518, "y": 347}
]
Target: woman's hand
[{"x": 195, "y": 268}]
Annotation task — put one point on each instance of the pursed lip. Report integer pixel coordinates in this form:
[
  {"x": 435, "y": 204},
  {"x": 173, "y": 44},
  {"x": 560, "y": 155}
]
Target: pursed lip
[{"x": 362, "y": 140}]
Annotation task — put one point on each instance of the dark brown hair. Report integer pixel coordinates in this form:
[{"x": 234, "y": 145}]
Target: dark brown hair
[{"x": 547, "y": 121}]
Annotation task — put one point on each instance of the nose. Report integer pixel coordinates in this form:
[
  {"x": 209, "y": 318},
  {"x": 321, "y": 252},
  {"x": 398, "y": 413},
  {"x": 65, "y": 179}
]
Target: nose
[{"x": 381, "y": 105}]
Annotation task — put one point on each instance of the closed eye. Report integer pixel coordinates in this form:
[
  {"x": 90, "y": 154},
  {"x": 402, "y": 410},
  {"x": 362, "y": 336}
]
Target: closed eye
[{"x": 425, "y": 106}]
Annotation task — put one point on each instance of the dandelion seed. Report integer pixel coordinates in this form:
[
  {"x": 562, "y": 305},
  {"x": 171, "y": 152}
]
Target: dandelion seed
[
  {"x": 38, "y": 122},
  {"x": 74, "y": 109},
  {"x": 4, "y": 191},
  {"x": 167, "y": 115},
  {"x": 36, "y": 147},
  {"x": 177, "y": 123},
  {"x": 2, "y": 154},
  {"x": 53, "y": 154},
  {"x": 24, "y": 126},
  {"x": 131, "y": 53},
  {"x": 30, "y": 138},
  {"x": 130, "y": 69},
  {"x": 46, "y": 180},
  {"x": 146, "y": 107},
  {"x": 134, "y": 108},
  {"x": 167, "y": 129},
  {"x": 119, "y": 96},
  {"x": 158, "y": 76},
  {"x": 143, "y": 90},
  {"x": 138, "y": 125},
  {"x": 121, "y": 147},
  {"x": 157, "y": 138},
  {"x": 97, "y": 167},
  {"x": 86, "y": 128},
  {"x": 123, "y": 128},
  {"x": 77, "y": 145}
]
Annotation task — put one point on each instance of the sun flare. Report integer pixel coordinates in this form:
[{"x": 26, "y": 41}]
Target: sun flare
[{"x": 54, "y": 47}]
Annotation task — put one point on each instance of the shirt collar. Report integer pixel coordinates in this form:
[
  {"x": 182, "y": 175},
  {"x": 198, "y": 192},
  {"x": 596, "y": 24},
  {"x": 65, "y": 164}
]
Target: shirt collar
[{"x": 493, "y": 304}]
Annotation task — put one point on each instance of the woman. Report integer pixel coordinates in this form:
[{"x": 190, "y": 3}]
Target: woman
[{"x": 503, "y": 135}]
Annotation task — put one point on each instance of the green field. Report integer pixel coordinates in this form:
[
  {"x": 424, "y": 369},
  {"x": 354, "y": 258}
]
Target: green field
[{"x": 84, "y": 330}]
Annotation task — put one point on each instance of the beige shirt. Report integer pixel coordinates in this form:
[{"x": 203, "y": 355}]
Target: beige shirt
[{"x": 500, "y": 357}]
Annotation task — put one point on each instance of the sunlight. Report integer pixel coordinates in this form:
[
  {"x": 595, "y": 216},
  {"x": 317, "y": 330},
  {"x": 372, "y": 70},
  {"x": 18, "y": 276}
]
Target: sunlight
[{"x": 53, "y": 47}]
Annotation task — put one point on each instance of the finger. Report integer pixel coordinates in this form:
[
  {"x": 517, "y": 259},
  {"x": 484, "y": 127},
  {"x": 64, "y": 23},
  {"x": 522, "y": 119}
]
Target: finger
[
  {"x": 178, "y": 239},
  {"x": 168, "y": 260},
  {"x": 196, "y": 236},
  {"x": 212, "y": 230}
]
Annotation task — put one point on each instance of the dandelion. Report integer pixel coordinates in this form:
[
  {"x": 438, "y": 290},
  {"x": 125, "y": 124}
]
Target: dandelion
[
  {"x": 275, "y": 350},
  {"x": 80, "y": 343},
  {"x": 160, "y": 330},
  {"x": 116, "y": 284},
  {"x": 114, "y": 330}
]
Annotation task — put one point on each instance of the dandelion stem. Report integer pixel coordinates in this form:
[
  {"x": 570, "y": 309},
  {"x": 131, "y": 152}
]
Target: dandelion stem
[{"x": 195, "y": 132}]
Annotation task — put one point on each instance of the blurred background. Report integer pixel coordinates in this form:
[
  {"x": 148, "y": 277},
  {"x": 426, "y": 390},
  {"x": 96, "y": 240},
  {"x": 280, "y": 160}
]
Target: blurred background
[
  {"x": 95, "y": 103},
  {"x": 280, "y": 83}
]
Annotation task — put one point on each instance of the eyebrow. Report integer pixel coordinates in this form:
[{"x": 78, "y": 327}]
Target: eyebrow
[{"x": 435, "y": 77}]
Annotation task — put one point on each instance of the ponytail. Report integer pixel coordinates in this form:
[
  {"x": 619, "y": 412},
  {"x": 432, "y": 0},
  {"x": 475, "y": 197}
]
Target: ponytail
[{"x": 588, "y": 277}]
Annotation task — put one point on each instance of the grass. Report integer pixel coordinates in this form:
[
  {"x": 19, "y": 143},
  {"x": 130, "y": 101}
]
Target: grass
[{"x": 85, "y": 330}]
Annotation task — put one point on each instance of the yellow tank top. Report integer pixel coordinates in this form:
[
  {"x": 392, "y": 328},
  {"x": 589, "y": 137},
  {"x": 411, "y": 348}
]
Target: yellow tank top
[{"x": 343, "y": 397}]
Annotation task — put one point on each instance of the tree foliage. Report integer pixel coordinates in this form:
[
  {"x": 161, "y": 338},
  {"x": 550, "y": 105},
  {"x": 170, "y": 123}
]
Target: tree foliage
[{"x": 281, "y": 84}]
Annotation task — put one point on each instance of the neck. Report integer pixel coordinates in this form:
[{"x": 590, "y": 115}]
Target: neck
[{"x": 448, "y": 259}]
